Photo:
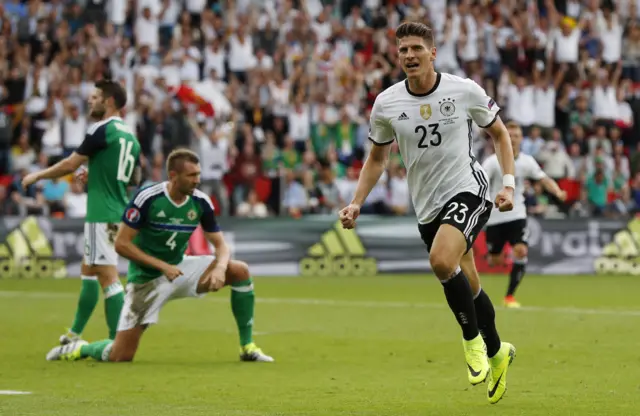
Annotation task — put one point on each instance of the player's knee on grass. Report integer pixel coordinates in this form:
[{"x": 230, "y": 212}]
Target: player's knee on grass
[
  {"x": 125, "y": 346},
  {"x": 238, "y": 271},
  {"x": 520, "y": 251},
  {"x": 121, "y": 356}
]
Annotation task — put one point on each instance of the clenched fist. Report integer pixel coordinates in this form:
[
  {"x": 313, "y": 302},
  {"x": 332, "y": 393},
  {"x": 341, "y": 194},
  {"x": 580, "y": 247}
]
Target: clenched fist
[
  {"x": 348, "y": 216},
  {"x": 504, "y": 199}
]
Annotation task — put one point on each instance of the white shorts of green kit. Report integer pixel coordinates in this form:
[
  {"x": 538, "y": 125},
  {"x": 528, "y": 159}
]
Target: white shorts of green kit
[
  {"x": 99, "y": 244},
  {"x": 143, "y": 301}
]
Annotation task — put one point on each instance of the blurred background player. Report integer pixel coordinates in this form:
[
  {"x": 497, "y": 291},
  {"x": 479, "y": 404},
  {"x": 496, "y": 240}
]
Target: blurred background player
[
  {"x": 112, "y": 152},
  {"x": 430, "y": 114},
  {"x": 511, "y": 226},
  {"x": 154, "y": 236}
]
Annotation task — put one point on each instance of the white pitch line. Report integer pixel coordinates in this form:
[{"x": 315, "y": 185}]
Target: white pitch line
[
  {"x": 355, "y": 304},
  {"x": 13, "y": 393},
  {"x": 409, "y": 305}
]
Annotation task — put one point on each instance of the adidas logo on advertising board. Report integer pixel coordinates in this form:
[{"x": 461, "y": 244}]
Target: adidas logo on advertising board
[
  {"x": 622, "y": 255},
  {"x": 338, "y": 253},
  {"x": 26, "y": 253}
]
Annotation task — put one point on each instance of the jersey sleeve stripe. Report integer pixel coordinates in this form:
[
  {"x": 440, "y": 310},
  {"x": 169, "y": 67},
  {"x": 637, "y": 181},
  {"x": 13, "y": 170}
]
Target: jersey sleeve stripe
[
  {"x": 95, "y": 126},
  {"x": 380, "y": 144},
  {"x": 145, "y": 194},
  {"x": 495, "y": 118},
  {"x": 201, "y": 195}
]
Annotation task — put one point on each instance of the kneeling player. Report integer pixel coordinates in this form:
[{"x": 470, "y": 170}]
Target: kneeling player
[
  {"x": 154, "y": 236},
  {"x": 511, "y": 226}
]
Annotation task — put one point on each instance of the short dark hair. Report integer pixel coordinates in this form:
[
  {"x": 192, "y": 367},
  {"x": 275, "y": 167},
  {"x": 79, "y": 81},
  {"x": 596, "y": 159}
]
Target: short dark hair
[
  {"x": 420, "y": 30},
  {"x": 112, "y": 89},
  {"x": 178, "y": 157},
  {"x": 511, "y": 124}
]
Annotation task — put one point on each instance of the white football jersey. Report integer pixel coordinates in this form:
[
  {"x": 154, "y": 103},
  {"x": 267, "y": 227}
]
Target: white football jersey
[
  {"x": 434, "y": 136},
  {"x": 526, "y": 168}
]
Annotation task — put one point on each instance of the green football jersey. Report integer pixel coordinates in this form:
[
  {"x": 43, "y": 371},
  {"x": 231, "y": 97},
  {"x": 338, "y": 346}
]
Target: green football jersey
[
  {"x": 164, "y": 227},
  {"x": 113, "y": 151}
]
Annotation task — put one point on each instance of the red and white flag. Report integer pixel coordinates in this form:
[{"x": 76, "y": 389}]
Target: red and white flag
[{"x": 187, "y": 95}]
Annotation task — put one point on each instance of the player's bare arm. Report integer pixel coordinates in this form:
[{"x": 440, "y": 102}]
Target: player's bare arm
[
  {"x": 552, "y": 186},
  {"x": 66, "y": 166},
  {"x": 504, "y": 152},
  {"x": 370, "y": 174},
  {"x": 125, "y": 247},
  {"x": 214, "y": 278}
]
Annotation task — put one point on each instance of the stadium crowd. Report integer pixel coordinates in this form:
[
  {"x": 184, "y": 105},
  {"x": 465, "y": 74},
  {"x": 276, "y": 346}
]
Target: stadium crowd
[{"x": 275, "y": 95}]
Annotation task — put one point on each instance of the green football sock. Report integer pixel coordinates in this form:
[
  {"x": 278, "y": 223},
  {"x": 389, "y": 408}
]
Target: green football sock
[
  {"x": 98, "y": 350},
  {"x": 89, "y": 294},
  {"x": 113, "y": 302},
  {"x": 242, "y": 303}
]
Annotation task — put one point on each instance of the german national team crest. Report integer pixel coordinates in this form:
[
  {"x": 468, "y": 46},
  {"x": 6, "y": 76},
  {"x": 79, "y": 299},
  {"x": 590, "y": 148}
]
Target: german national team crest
[
  {"x": 191, "y": 215},
  {"x": 425, "y": 111},
  {"x": 133, "y": 215},
  {"x": 447, "y": 108}
]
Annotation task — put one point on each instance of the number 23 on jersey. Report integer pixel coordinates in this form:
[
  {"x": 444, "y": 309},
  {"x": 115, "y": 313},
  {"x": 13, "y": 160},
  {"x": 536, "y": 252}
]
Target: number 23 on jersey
[{"x": 429, "y": 135}]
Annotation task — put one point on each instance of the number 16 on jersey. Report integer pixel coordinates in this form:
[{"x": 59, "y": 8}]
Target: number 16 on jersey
[{"x": 126, "y": 161}]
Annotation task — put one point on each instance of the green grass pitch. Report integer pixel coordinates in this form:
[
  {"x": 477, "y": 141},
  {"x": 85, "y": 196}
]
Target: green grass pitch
[{"x": 343, "y": 346}]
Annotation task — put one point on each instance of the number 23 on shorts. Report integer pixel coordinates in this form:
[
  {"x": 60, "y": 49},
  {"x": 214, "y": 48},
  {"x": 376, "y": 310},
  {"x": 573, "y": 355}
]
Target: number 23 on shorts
[{"x": 457, "y": 211}]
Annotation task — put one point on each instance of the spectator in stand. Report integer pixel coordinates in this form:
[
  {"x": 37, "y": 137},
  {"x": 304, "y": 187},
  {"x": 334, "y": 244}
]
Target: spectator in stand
[
  {"x": 399, "y": 196},
  {"x": 599, "y": 160},
  {"x": 75, "y": 202},
  {"x": 579, "y": 138},
  {"x": 533, "y": 143},
  {"x": 621, "y": 161},
  {"x": 581, "y": 115},
  {"x": 214, "y": 148},
  {"x": 246, "y": 169},
  {"x": 8, "y": 206},
  {"x": 30, "y": 201},
  {"x": 556, "y": 161},
  {"x": 252, "y": 207},
  {"x": 327, "y": 190},
  {"x": 22, "y": 154},
  {"x": 600, "y": 141},
  {"x": 536, "y": 201},
  {"x": 73, "y": 127},
  {"x": 281, "y": 85},
  {"x": 596, "y": 191},
  {"x": 295, "y": 199},
  {"x": 620, "y": 189},
  {"x": 578, "y": 161},
  {"x": 54, "y": 192}
]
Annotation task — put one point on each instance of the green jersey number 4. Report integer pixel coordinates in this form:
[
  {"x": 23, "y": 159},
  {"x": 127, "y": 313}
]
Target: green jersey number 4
[
  {"x": 126, "y": 161},
  {"x": 171, "y": 242}
]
